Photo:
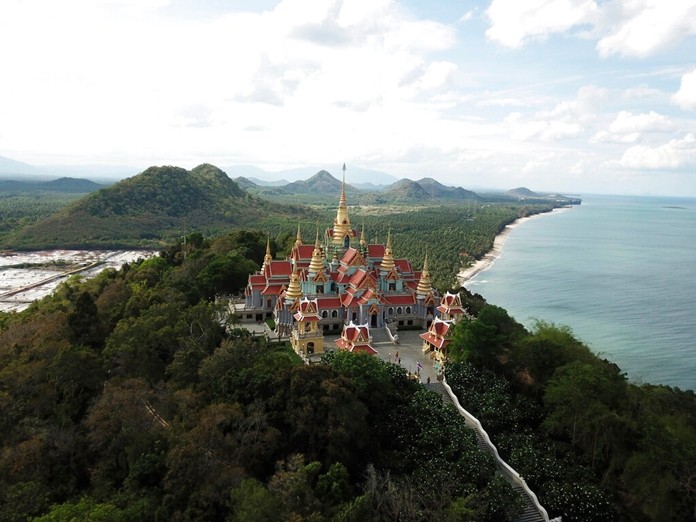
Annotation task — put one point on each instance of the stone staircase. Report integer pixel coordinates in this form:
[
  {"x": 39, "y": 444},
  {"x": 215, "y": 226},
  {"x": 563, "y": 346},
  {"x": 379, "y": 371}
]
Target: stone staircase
[{"x": 530, "y": 513}]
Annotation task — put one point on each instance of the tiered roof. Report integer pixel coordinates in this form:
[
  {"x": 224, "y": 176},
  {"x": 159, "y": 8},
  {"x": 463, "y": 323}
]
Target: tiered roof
[
  {"x": 438, "y": 333},
  {"x": 355, "y": 338}
]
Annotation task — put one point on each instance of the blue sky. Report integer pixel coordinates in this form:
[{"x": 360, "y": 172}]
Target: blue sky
[{"x": 577, "y": 96}]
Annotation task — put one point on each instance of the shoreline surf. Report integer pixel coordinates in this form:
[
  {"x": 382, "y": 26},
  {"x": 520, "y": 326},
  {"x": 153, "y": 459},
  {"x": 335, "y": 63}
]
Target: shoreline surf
[{"x": 483, "y": 264}]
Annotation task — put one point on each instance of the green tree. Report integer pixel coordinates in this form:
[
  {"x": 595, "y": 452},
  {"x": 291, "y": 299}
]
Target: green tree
[{"x": 487, "y": 340}]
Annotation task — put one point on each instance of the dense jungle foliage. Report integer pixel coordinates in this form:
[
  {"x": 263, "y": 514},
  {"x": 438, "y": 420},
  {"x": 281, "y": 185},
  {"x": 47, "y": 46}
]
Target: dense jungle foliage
[
  {"x": 19, "y": 209},
  {"x": 592, "y": 446},
  {"x": 124, "y": 398}
]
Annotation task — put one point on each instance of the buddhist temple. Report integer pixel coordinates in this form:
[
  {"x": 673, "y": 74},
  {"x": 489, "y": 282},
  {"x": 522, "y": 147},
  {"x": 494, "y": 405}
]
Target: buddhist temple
[{"x": 347, "y": 280}]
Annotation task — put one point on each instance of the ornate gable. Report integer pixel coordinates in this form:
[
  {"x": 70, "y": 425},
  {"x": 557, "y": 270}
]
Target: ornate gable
[
  {"x": 367, "y": 282},
  {"x": 393, "y": 275},
  {"x": 374, "y": 309},
  {"x": 320, "y": 277},
  {"x": 358, "y": 260}
]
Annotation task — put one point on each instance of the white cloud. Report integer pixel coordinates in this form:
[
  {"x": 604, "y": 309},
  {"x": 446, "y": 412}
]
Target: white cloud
[
  {"x": 685, "y": 97},
  {"x": 626, "y": 122},
  {"x": 629, "y": 128},
  {"x": 566, "y": 119},
  {"x": 645, "y": 27},
  {"x": 514, "y": 23},
  {"x": 636, "y": 28},
  {"x": 671, "y": 155}
]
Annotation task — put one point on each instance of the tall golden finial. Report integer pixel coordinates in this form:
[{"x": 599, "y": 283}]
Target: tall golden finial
[
  {"x": 317, "y": 262},
  {"x": 294, "y": 290},
  {"x": 267, "y": 258},
  {"x": 424, "y": 284},
  {"x": 388, "y": 259},
  {"x": 342, "y": 231},
  {"x": 363, "y": 241},
  {"x": 298, "y": 240},
  {"x": 342, "y": 200}
]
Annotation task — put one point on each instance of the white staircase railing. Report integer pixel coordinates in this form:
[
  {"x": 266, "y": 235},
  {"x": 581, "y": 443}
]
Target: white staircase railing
[{"x": 510, "y": 473}]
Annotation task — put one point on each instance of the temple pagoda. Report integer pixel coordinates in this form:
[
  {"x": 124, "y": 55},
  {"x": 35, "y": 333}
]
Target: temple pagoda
[{"x": 348, "y": 280}]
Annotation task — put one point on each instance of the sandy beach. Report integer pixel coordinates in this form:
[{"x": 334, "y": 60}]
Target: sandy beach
[
  {"x": 487, "y": 260},
  {"x": 494, "y": 253}
]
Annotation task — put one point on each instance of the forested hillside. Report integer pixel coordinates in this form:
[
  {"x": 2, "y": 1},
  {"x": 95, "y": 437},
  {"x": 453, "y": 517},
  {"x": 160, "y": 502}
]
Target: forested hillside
[
  {"x": 593, "y": 446},
  {"x": 124, "y": 399},
  {"x": 159, "y": 204}
]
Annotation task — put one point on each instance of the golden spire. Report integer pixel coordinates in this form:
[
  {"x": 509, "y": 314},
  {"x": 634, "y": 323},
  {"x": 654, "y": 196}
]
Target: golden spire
[
  {"x": 342, "y": 199},
  {"x": 294, "y": 290},
  {"x": 388, "y": 260},
  {"x": 424, "y": 285},
  {"x": 267, "y": 258},
  {"x": 298, "y": 240},
  {"x": 363, "y": 242},
  {"x": 317, "y": 262},
  {"x": 341, "y": 226}
]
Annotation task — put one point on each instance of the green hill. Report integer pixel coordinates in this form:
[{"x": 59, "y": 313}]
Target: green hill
[
  {"x": 322, "y": 183},
  {"x": 440, "y": 191},
  {"x": 159, "y": 204},
  {"x": 407, "y": 190}
]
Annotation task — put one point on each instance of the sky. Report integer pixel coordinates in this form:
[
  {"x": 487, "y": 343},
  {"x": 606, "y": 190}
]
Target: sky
[{"x": 575, "y": 96}]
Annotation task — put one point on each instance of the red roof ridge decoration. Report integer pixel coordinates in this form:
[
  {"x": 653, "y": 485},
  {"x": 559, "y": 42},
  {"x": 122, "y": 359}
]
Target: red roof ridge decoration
[{"x": 355, "y": 338}]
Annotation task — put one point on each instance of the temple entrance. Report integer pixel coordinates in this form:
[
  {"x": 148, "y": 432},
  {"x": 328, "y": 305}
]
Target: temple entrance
[
  {"x": 373, "y": 320},
  {"x": 310, "y": 348}
]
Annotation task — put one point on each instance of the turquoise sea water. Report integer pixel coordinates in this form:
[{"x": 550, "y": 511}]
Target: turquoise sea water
[{"x": 619, "y": 271}]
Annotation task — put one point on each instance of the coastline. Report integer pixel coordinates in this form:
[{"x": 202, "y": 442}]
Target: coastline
[{"x": 489, "y": 258}]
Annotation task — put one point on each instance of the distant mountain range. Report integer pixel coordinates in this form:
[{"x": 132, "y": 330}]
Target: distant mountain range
[
  {"x": 165, "y": 202},
  {"x": 324, "y": 184},
  {"x": 67, "y": 185},
  {"x": 13, "y": 169}
]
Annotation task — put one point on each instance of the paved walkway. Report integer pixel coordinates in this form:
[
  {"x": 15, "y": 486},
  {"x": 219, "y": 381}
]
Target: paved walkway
[{"x": 408, "y": 350}]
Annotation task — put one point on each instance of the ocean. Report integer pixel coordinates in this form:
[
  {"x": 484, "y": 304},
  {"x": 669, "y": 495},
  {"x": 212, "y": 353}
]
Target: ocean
[{"x": 620, "y": 271}]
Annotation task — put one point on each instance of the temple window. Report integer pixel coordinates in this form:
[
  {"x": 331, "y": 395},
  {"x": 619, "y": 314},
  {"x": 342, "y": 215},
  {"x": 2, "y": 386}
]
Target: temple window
[
  {"x": 320, "y": 289},
  {"x": 399, "y": 310},
  {"x": 324, "y": 314},
  {"x": 408, "y": 309},
  {"x": 334, "y": 313},
  {"x": 392, "y": 287}
]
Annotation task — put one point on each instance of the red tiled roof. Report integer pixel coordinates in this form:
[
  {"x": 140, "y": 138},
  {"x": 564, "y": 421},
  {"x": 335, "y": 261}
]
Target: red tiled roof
[
  {"x": 340, "y": 277},
  {"x": 348, "y": 256},
  {"x": 404, "y": 265},
  {"x": 272, "y": 289},
  {"x": 438, "y": 342},
  {"x": 367, "y": 295},
  {"x": 413, "y": 284},
  {"x": 451, "y": 309},
  {"x": 400, "y": 299},
  {"x": 355, "y": 338},
  {"x": 279, "y": 268},
  {"x": 358, "y": 277},
  {"x": 375, "y": 250},
  {"x": 301, "y": 317},
  {"x": 348, "y": 300},
  {"x": 302, "y": 252},
  {"x": 329, "y": 301}
]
